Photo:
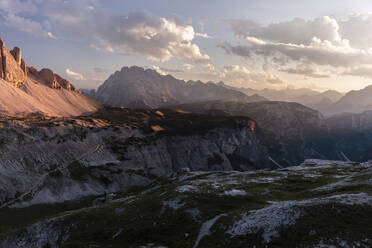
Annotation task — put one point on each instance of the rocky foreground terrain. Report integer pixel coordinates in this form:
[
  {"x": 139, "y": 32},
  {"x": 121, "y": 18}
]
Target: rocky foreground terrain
[{"x": 316, "y": 204}]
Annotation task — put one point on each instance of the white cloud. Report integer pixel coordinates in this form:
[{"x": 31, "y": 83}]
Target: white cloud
[
  {"x": 159, "y": 70},
  {"x": 165, "y": 71},
  {"x": 74, "y": 75},
  {"x": 323, "y": 41},
  {"x": 51, "y": 35},
  {"x": 188, "y": 66},
  {"x": 240, "y": 75},
  {"x": 297, "y": 31},
  {"x": 157, "y": 38},
  {"x": 205, "y": 36},
  {"x": 209, "y": 67}
]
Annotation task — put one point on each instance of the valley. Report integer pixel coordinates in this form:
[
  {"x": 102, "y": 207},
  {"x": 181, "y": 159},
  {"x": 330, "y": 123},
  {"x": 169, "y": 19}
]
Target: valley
[{"x": 148, "y": 160}]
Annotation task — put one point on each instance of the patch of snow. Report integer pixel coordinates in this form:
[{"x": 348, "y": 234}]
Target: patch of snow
[
  {"x": 311, "y": 175},
  {"x": 117, "y": 233},
  {"x": 286, "y": 213},
  {"x": 186, "y": 189},
  {"x": 205, "y": 229},
  {"x": 235, "y": 192}
]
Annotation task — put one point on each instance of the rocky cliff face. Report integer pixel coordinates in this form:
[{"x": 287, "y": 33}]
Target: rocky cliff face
[
  {"x": 294, "y": 132},
  {"x": 136, "y": 87},
  {"x": 13, "y": 69},
  {"x": 55, "y": 160},
  {"x": 51, "y": 79},
  {"x": 12, "y": 66}
]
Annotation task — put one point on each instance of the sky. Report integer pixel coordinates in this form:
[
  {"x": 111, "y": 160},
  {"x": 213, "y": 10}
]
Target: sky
[{"x": 245, "y": 43}]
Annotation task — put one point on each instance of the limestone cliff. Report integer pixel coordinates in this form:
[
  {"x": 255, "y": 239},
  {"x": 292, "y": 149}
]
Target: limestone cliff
[{"x": 12, "y": 66}]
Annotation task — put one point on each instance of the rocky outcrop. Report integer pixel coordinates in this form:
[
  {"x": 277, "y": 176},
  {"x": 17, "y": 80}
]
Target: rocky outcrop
[
  {"x": 54, "y": 160},
  {"x": 12, "y": 67},
  {"x": 14, "y": 70},
  {"x": 293, "y": 132},
  {"x": 51, "y": 79}
]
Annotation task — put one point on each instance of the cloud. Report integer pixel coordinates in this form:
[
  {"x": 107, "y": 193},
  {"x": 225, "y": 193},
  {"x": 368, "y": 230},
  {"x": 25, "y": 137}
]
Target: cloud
[
  {"x": 362, "y": 71},
  {"x": 12, "y": 12},
  {"x": 306, "y": 70},
  {"x": 205, "y": 36},
  {"x": 188, "y": 66},
  {"x": 18, "y": 6},
  {"x": 165, "y": 71},
  {"x": 297, "y": 31},
  {"x": 157, "y": 38},
  {"x": 51, "y": 35},
  {"x": 243, "y": 76},
  {"x": 209, "y": 67},
  {"x": 323, "y": 41},
  {"x": 24, "y": 25},
  {"x": 74, "y": 75}
]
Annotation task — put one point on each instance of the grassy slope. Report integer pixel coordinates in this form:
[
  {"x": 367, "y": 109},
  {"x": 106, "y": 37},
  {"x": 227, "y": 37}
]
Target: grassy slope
[{"x": 163, "y": 215}]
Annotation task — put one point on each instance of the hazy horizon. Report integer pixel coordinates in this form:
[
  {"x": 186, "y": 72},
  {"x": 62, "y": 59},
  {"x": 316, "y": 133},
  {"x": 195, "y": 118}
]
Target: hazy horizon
[{"x": 250, "y": 44}]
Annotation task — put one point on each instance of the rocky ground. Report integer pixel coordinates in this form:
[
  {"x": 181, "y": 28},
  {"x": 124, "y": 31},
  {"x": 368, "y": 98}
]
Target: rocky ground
[{"x": 316, "y": 204}]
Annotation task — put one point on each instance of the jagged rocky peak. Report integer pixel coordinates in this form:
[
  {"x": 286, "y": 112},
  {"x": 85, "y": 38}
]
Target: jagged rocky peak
[
  {"x": 12, "y": 67},
  {"x": 51, "y": 79}
]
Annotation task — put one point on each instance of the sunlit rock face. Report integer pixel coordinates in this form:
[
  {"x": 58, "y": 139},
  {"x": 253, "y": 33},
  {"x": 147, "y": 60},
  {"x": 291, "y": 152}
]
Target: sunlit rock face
[
  {"x": 12, "y": 66},
  {"x": 25, "y": 90},
  {"x": 51, "y": 79}
]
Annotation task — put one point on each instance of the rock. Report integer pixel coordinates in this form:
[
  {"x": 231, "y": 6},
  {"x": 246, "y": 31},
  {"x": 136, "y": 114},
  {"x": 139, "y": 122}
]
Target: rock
[
  {"x": 11, "y": 66},
  {"x": 14, "y": 70},
  {"x": 24, "y": 67},
  {"x": 51, "y": 79},
  {"x": 48, "y": 77},
  {"x": 16, "y": 52}
]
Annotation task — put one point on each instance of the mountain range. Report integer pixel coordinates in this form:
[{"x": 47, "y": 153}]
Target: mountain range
[
  {"x": 161, "y": 162},
  {"x": 135, "y": 87}
]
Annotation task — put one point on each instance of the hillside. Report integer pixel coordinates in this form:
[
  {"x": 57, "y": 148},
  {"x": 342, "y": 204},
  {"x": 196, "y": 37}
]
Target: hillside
[
  {"x": 317, "y": 204},
  {"x": 293, "y": 132},
  {"x": 355, "y": 101},
  {"x": 24, "y": 90},
  {"x": 136, "y": 87}
]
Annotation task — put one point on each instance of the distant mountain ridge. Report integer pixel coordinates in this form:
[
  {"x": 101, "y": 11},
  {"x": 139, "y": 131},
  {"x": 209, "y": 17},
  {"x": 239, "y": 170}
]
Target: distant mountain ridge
[
  {"x": 135, "y": 87},
  {"x": 308, "y": 97},
  {"x": 355, "y": 101}
]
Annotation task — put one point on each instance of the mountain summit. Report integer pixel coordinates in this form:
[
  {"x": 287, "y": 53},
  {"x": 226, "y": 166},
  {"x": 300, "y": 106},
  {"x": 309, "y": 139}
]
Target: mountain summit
[
  {"x": 25, "y": 90},
  {"x": 136, "y": 87}
]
